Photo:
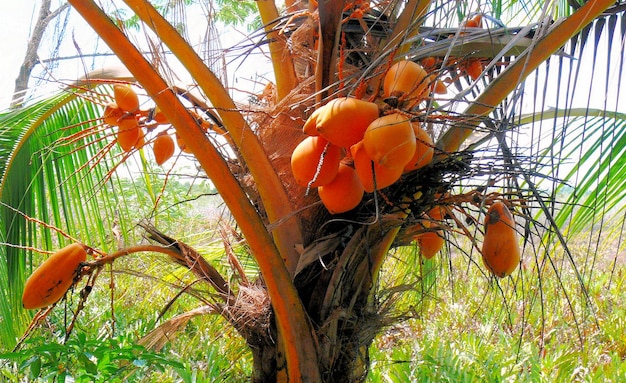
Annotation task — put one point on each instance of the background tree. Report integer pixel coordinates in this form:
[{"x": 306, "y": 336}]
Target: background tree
[
  {"x": 321, "y": 272},
  {"x": 46, "y": 15}
]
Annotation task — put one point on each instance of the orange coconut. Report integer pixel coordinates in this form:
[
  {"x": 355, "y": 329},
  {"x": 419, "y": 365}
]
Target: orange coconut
[
  {"x": 500, "y": 251},
  {"x": 406, "y": 78},
  {"x": 315, "y": 161},
  {"x": 51, "y": 280},
  {"x": 126, "y": 98},
  {"x": 437, "y": 86},
  {"x": 424, "y": 149},
  {"x": 390, "y": 141},
  {"x": 430, "y": 243},
  {"x": 163, "y": 148},
  {"x": 343, "y": 193},
  {"x": 112, "y": 113},
  {"x": 342, "y": 121},
  {"x": 473, "y": 67},
  {"x": 128, "y": 133},
  {"x": 475, "y": 22},
  {"x": 371, "y": 173},
  {"x": 141, "y": 139}
]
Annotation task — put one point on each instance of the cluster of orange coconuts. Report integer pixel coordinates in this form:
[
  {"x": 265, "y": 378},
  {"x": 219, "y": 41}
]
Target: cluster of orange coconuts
[
  {"x": 124, "y": 113},
  {"x": 351, "y": 149},
  {"x": 472, "y": 66}
]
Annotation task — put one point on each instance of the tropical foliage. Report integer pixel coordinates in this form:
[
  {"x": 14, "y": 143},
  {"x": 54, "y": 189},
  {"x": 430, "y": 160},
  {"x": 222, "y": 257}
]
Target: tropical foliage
[{"x": 309, "y": 291}]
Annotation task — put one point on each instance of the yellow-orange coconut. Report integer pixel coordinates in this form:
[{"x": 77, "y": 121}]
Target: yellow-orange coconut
[
  {"x": 501, "y": 252},
  {"x": 51, "y": 280}
]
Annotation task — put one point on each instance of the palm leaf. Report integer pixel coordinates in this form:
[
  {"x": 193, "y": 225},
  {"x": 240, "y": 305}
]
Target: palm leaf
[
  {"x": 592, "y": 140},
  {"x": 43, "y": 176}
]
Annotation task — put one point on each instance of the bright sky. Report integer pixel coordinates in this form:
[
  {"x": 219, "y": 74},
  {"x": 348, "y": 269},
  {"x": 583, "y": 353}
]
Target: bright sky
[{"x": 17, "y": 19}]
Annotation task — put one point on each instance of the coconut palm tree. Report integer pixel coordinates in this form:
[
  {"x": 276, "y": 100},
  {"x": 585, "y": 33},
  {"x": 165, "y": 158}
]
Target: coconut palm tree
[{"x": 316, "y": 304}]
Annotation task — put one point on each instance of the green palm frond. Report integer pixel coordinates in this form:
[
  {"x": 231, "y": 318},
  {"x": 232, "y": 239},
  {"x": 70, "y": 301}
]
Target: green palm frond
[
  {"x": 51, "y": 173},
  {"x": 589, "y": 152},
  {"x": 573, "y": 145},
  {"x": 17, "y": 179},
  {"x": 589, "y": 144}
]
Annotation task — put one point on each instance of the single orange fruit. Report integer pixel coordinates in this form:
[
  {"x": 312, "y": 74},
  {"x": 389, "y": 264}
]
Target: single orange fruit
[
  {"x": 315, "y": 161},
  {"x": 424, "y": 149},
  {"x": 371, "y": 173},
  {"x": 436, "y": 213},
  {"x": 501, "y": 252},
  {"x": 473, "y": 67},
  {"x": 343, "y": 193},
  {"x": 112, "y": 113},
  {"x": 51, "y": 280},
  {"x": 430, "y": 243},
  {"x": 126, "y": 98},
  {"x": 475, "y": 22},
  {"x": 406, "y": 78},
  {"x": 342, "y": 121},
  {"x": 428, "y": 63},
  {"x": 128, "y": 133},
  {"x": 390, "y": 141},
  {"x": 163, "y": 148},
  {"x": 439, "y": 87},
  {"x": 141, "y": 140}
]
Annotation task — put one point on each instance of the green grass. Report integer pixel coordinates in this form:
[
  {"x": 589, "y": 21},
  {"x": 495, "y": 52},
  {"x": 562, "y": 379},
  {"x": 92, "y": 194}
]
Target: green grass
[
  {"x": 522, "y": 329},
  {"x": 463, "y": 325}
]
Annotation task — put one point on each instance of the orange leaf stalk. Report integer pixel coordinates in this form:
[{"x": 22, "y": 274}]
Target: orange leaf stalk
[
  {"x": 269, "y": 185},
  {"x": 292, "y": 323},
  {"x": 282, "y": 61}
]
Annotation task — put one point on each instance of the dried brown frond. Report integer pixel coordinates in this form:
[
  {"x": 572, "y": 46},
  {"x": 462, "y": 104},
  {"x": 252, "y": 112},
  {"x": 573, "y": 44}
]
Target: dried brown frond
[
  {"x": 191, "y": 259},
  {"x": 166, "y": 332}
]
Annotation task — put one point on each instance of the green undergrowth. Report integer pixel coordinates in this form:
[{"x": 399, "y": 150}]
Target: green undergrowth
[
  {"x": 106, "y": 343},
  {"x": 535, "y": 326},
  {"x": 457, "y": 323}
]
